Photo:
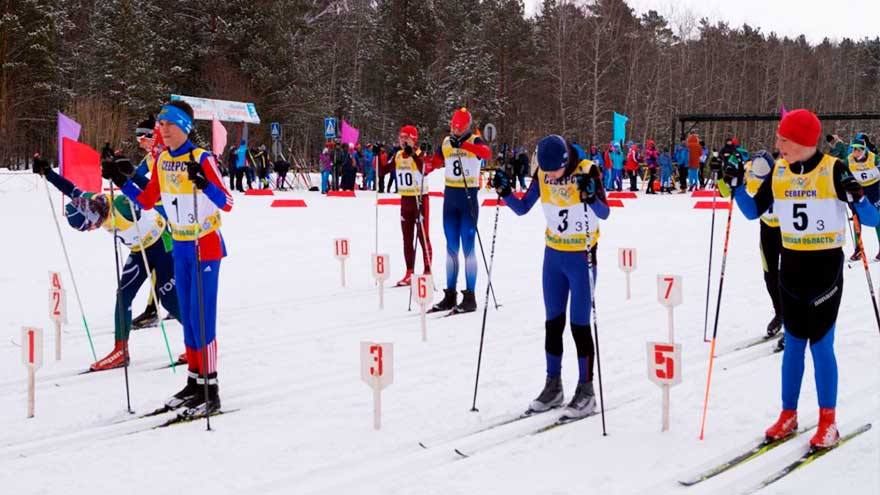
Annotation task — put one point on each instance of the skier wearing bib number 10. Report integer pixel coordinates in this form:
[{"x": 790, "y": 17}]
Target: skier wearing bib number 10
[
  {"x": 573, "y": 198},
  {"x": 414, "y": 208},
  {"x": 809, "y": 192},
  {"x": 188, "y": 181},
  {"x": 462, "y": 154}
]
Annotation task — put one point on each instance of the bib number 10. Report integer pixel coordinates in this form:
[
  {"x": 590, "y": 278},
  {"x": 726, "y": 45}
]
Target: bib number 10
[{"x": 800, "y": 219}]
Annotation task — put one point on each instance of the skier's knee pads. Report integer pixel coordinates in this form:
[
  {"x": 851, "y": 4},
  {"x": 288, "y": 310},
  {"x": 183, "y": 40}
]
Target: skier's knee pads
[
  {"x": 553, "y": 335},
  {"x": 583, "y": 340}
]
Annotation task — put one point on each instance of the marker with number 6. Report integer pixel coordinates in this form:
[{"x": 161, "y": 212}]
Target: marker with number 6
[{"x": 424, "y": 294}]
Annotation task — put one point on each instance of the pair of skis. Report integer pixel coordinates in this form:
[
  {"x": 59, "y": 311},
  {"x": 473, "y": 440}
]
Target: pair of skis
[{"x": 766, "y": 445}]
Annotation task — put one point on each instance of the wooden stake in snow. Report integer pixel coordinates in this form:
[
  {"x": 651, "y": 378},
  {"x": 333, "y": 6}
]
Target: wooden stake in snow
[
  {"x": 377, "y": 371},
  {"x": 664, "y": 358},
  {"x": 57, "y": 308},
  {"x": 32, "y": 358},
  {"x": 380, "y": 273},
  {"x": 627, "y": 261},
  {"x": 341, "y": 252},
  {"x": 424, "y": 295}
]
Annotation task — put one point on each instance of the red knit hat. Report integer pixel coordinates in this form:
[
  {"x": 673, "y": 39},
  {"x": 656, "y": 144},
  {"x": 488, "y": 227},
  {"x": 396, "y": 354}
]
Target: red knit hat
[
  {"x": 411, "y": 131},
  {"x": 801, "y": 126},
  {"x": 461, "y": 120}
]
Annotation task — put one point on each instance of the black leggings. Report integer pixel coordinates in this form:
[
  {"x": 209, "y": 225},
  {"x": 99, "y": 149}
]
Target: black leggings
[{"x": 771, "y": 249}]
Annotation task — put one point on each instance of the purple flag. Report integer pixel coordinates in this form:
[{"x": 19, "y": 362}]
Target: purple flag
[
  {"x": 782, "y": 110},
  {"x": 349, "y": 134},
  {"x": 67, "y": 128}
]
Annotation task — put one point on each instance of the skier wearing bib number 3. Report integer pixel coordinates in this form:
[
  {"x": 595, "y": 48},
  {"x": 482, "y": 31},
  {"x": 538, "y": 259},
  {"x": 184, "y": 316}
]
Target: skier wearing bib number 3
[
  {"x": 573, "y": 198},
  {"x": 461, "y": 153},
  {"x": 414, "y": 208},
  {"x": 183, "y": 174},
  {"x": 809, "y": 192}
]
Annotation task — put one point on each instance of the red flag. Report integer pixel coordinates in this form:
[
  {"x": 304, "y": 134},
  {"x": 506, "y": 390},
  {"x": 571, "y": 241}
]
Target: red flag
[{"x": 82, "y": 165}]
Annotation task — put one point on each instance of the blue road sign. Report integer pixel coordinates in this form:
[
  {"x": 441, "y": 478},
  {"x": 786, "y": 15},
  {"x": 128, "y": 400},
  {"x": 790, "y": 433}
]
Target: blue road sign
[{"x": 329, "y": 128}]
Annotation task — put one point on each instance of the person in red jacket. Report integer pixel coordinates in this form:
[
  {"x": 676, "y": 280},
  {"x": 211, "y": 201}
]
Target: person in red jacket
[
  {"x": 632, "y": 166},
  {"x": 695, "y": 151},
  {"x": 412, "y": 168}
]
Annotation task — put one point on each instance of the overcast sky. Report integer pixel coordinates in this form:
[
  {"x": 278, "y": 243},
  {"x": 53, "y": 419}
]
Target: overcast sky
[{"x": 846, "y": 18}]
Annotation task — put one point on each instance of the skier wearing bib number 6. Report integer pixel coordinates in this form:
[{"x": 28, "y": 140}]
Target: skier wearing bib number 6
[
  {"x": 573, "y": 199},
  {"x": 809, "y": 192},
  {"x": 412, "y": 169},
  {"x": 188, "y": 181},
  {"x": 462, "y": 154},
  {"x": 863, "y": 165}
]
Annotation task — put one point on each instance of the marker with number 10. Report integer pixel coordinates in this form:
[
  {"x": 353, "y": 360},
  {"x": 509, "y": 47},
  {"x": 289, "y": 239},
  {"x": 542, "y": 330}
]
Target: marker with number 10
[{"x": 341, "y": 252}]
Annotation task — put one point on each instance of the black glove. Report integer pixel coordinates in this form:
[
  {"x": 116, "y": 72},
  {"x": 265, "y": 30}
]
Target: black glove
[
  {"x": 501, "y": 183},
  {"x": 455, "y": 142},
  {"x": 587, "y": 187},
  {"x": 196, "y": 174},
  {"x": 854, "y": 191},
  {"x": 41, "y": 166},
  {"x": 408, "y": 150},
  {"x": 733, "y": 173},
  {"x": 117, "y": 170}
]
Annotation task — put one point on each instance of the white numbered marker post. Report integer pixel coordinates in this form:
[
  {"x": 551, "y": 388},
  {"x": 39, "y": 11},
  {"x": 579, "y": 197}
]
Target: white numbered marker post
[
  {"x": 32, "y": 358},
  {"x": 57, "y": 308},
  {"x": 341, "y": 252},
  {"x": 664, "y": 369},
  {"x": 377, "y": 371},
  {"x": 627, "y": 261},
  {"x": 664, "y": 359},
  {"x": 380, "y": 273},
  {"x": 424, "y": 295}
]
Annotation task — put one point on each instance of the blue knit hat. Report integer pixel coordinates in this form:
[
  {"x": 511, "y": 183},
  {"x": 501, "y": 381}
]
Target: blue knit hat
[{"x": 552, "y": 153}]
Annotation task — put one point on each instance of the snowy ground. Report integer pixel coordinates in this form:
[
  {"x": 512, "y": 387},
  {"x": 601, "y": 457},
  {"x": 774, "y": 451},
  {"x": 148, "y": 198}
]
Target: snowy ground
[{"x": 289, "y": 342}]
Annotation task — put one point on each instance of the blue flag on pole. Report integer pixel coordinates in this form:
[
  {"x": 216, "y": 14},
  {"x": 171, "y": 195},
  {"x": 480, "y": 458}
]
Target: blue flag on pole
[{"x": 620, "y": 127}]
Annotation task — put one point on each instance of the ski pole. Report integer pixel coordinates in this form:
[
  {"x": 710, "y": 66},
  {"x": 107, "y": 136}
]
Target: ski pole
[
  {"x": 486, "y": 303},
  {"x": 477, "y": 229},
  {"x": 857, "y": 227},
  {"x": 153, "y": 287},
  {"x": 709, "y": 273},
  {"x": 201, "y": 295},
  {"x": 120, "y": 317},
  {"x": 69, "y": 268},
  {"x": 717, "y": 313},
  {"x": 595, "y": 318}
]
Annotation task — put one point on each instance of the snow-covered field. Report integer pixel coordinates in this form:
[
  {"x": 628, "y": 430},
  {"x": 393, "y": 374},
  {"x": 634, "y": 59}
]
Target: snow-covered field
[{"x": 289, "y": 362}]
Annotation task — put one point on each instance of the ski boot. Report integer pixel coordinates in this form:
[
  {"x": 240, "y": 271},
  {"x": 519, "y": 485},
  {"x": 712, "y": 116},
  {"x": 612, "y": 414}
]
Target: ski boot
[
  {"x": 583, "y": 403},
  {"x": 856, "y": 256},
  {"x": 468, "y": 303},
  {"x": 774, "y": 326},
  {"x": 179, "y": 399},
  {"x": 549, "y": 398},
  {"x": 182, "y": 359},
  {"x": 117, "y": 358},
  {"x": 406, "y": 281},
  {"x": 149, "y": 318},
  {"x": 784, "y": 426},
  {"x": 826, "y": 434},
  {"x": 448, "y": 302},
  {"x": 200, "y": 405}
]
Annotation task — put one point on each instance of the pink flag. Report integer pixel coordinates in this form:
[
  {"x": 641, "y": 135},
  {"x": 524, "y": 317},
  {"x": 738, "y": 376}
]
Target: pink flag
[
  {"x": 67, "y": 128},
  {"x": 218, "y": 137},
  {"x": 349, "y": 134},
  {"x": 782, "y": 110}
]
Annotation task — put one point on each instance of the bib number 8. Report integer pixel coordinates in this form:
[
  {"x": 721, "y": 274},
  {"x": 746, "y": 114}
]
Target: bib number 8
[{"x": 456, "y": 168}]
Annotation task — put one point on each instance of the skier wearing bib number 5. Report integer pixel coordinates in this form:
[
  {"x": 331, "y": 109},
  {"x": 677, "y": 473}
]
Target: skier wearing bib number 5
[
  {"x": 183, "y": 174},
  {"x": 809, "y": 192},
  {"x": 414, "y": 208},
  {"x": 462, "y": 154},
  {"x": 863, "y": 165},
  {"x": 573, "y": 199}
]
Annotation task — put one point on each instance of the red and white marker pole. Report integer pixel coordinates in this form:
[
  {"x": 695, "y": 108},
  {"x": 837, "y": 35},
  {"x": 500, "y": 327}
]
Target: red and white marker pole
[
  {"x": 380, "y": 273},
  {"x": 32, "y": 358},
  {"x": 377, "y": 371},
  {"x": 627, "y": 261},
  {"x": 341, "y": 252},
  {"x": 664, "y": 358},
  {"x": 424, "y": 295},
  {"x": 57, "y": 308}
]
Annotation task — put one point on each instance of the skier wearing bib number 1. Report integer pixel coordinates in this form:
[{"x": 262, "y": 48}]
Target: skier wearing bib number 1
[
  {"x": 863, "y": 165},
  {"x": 809, "y": 192},
  {"x": 412, "y": 169},
  {"x": 462, "y": 154},
  {"x": 183, "y": 174},
  {"x": 573, "y": 198}
]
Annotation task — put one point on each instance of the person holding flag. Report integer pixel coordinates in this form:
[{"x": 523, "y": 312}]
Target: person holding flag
[{"x": 188, "y": 181}]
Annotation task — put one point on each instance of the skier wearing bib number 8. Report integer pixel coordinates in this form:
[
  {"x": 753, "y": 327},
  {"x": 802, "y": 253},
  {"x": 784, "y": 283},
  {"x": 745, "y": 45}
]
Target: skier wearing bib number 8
[
  {"x": 414, "y": 207},
  {"x": 188, "y": 181},
  {"x": 462, "y": 154},
  {"x": 809, "y": 192},
  {"x": 863, "y": 165},
  {"x": 573, "y": 199}
]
